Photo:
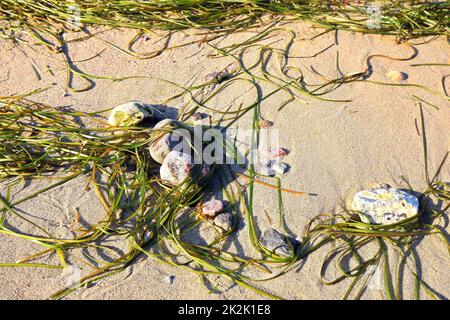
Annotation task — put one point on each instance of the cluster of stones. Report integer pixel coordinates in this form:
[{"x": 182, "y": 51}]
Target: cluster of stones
[
  {"x": 176, "y": 166},
  {"x": 382, "y": 205}
]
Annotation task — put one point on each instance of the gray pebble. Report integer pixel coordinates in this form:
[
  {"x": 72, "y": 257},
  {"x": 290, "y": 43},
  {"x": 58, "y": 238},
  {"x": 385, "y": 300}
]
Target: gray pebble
[
  {"x": 275, "y": 242},
  {"x": 224, "y": 221}
]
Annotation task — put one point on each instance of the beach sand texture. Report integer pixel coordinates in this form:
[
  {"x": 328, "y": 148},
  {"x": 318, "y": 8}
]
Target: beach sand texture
[{"x": 335, "y": 148}]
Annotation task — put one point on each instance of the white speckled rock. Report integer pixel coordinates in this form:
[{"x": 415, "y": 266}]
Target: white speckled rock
[
  {"x": 274, "y": 241},
  {"x": 176, "y": 167},
  {"x": 224, "y": 221},
  {"x": 384, "y": 205},
  {"x": 129, "y": 114},
  {"x": 163, "y": 144},
  {"x": 212, "y": 208}
]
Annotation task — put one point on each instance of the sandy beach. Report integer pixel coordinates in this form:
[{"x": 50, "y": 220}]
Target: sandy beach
[{"x": 336, "y": 148}]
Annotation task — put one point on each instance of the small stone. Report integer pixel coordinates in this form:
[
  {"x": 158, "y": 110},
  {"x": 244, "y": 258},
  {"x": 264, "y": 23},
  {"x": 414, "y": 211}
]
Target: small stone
[
  {"x": 160, "y": 148},
  {"x": 201, "y": 173},
  {"x": 212, "y": 208},
  {"x": 265, "y": 162},
  {"x": 275, "y": 242},
  {"x": 384, "y": 205},
  {"x": 170, "y": 279},
  {"x": 280, "y": 167},
  {"x": 277, "y": 153},
  {"x": 205, "y": 170},
  {"x": 263, "y": 124},
  {"x": 129, "y": 114},
  {"x": 176, "y": 167},
  {"x": 202, "y": 119},
  {"x": 163, "y": 144},
  {"x": 224, "y": 221},
  {"x": 266, "y": 171},
  {"x": 397, "y": 76}
]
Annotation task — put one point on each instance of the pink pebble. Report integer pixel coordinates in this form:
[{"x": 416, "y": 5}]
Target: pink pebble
[
  {"x": 212, "y": 208},
  {"x": 277, "y": 153}
]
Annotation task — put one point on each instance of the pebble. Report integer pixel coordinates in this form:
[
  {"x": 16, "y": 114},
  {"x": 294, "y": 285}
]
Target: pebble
[
  {"x": 280, "y": 167},
  {"x": 224, "y": 221},
  {"x": 212, "y": 208},
  {"x": 272, "y": 167},
  {"x": 384, "y": 205},
  {"x": 202, "y": 119},
  {"x": 161, "y": 147},
  {"x": 263, "y": 124},
  {"x": 275, "y": 242},
  {"x": 266, "y": 170},
  {"x": 397, "y": 76},
  {"x": 176, "y": 167},
  {"x": 170, "y": 279},
  {"x": 129, "y": 114}
]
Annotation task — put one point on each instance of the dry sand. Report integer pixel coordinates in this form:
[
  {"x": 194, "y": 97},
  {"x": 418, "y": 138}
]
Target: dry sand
[{"x": 336, "y": 149}]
